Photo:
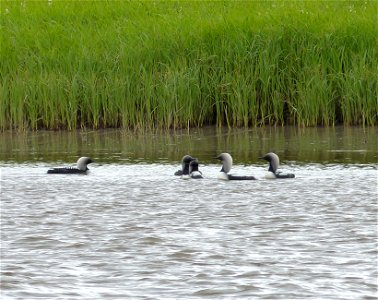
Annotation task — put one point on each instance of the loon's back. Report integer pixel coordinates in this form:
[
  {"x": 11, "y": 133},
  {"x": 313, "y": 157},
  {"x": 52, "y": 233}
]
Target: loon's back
[
  {"x": 66, "y": 171},
  {"x": 283, "y": 175}
]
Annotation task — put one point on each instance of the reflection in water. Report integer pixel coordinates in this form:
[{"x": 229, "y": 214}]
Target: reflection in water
[{"x": 323, "y": 145}]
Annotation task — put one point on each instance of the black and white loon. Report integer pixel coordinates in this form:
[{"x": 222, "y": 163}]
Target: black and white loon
[
  {"x": 226, "y": 160},
  {"x": 274, "y": 162},
  {"x": 185, "y": 161},
  {"x": 193, "y": 170},
  {"x": 82, "y": 167},
  {"x": 189, "y": 168}
]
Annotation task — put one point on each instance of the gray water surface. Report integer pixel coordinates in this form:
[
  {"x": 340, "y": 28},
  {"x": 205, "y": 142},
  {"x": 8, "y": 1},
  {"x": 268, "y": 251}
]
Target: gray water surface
[{"x": 131, "y": 230}]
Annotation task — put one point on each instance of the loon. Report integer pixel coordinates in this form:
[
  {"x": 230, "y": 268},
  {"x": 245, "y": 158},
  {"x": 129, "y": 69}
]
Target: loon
[
  {"x": 226, "y": 159},
  {"x": 81, "y": 168},
  {"x": 189, "y": 168},
  {"x": 193, "y": 170},
  {"x": 185, "y": 160},
  {"x": 274, "y": 162}
]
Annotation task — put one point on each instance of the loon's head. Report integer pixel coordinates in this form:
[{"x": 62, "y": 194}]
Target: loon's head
[
  {"x": 226, "y": 160},
  {"x": 273, "y": 160},
  {"x": 83, "y": 162}
]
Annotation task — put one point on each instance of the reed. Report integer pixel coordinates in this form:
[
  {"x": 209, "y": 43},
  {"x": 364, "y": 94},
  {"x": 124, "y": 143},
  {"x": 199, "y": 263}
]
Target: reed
[{"x": 136, "y": 64}]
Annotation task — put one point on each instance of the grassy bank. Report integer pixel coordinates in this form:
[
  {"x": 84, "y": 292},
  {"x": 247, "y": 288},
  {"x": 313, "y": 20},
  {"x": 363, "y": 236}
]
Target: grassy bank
[{"x": 178, "y": 64}]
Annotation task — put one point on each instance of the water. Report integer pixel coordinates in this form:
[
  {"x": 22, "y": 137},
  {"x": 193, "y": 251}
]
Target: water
[{"x": 132, "y": 230}]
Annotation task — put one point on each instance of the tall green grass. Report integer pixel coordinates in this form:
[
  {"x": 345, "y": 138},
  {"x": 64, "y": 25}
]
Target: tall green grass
[{"x": 139, "y": 64}]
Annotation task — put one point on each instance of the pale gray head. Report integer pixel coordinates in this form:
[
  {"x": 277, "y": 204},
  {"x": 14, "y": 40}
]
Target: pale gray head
[
  {"x": 82, "y": 163},
  {"x": 226, "y": 160},
  {"x": 273, "y": 160}
]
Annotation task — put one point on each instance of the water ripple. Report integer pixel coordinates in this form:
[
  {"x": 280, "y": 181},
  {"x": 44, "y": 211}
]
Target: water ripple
[{"x": 138, "y": 232}]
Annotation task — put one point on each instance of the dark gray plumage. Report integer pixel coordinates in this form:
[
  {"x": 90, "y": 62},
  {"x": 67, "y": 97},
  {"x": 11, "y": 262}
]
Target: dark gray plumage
[{"x": 81, "y": 168}]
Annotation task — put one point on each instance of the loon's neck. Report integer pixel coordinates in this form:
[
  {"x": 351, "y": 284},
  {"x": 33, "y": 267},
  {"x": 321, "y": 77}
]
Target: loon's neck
[
  {"x": 271, "y": 169},
  {"x": 185, "y": 170}
]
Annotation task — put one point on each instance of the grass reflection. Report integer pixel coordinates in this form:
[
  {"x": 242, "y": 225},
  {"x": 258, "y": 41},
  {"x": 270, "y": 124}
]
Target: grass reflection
[{"x": 320, "y": 145}]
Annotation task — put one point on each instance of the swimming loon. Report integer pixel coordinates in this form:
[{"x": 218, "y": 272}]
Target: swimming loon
[
  {"x": 274, "y": 162},
  {"x": 193, "y": 170},
  {"x": 81, "y": 168},
  {"x": 185, "y": 160},
  {"x": 226, "y": 160},
  {"x": 189, "y": 168}
]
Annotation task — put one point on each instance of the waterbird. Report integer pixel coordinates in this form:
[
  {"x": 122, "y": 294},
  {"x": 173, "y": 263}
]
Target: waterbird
[
  {"x": 185, "y": 160},
  {"x": 194, "y": 172},
  {"x": 226, "y": 160},
  {"x": 274, "y": 162},
  {"x": 81, "y": 168}
]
